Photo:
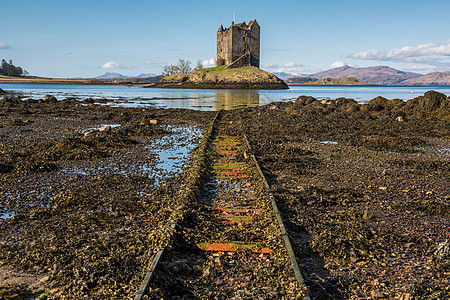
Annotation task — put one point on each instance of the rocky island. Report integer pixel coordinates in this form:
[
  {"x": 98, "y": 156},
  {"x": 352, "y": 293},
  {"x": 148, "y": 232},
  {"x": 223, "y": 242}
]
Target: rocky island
[{"x": 221, "y": 77}]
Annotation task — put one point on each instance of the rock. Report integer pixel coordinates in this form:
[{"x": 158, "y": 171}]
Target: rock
[
  {"x": 50, "y": 98},
  {"x": 45, "y": 279},
  {"x": 218, "y": 263},
  {"x": 2, "y": 92},
  {"x": 432, "y": 100},
  {"x": 340, "y": 102},
  {"x": 409, "y": 245},
  {"x": 399, "y": 119},
  {"x": 208, "y": 271},
  {"x": 89, "y": 101},
  {"x": 304, "y": 100},
  {"x": 376, "y": 294},
  {"x": 179, "y": 266},
  {"x": 153, "y": 122},
  {"x": 105, "y": 128}
]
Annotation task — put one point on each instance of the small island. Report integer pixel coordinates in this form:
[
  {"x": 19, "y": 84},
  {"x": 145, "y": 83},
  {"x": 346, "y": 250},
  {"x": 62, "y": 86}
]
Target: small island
[{"x": 221, "y": 77}]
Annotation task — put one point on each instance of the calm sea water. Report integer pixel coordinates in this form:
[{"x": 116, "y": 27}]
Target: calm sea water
[{"x": 119, "y": 95}]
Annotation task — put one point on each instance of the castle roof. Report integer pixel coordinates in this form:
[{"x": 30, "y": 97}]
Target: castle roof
[{"x": 242, "y": 24}]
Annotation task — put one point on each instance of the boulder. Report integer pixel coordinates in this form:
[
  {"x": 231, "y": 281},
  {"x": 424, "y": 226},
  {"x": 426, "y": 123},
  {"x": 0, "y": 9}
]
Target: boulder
[
  {"x": 88, "y": 101},
  {"x": 304, "y": 100},
  {"x": 380, "y": 103},
  {"x": 2, "y": 92},
  {"x": 50, "y": 98},
  {"x": 340, "y": 102},
  {"x": 432, "y": 100}
]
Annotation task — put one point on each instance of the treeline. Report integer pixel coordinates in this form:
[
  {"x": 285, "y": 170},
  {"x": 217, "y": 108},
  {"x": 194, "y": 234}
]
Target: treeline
[{"x": 9, "y": 69}]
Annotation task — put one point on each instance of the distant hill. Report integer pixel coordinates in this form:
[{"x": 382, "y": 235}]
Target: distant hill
[
  {"x": 109, "y": 75},
  {"x": 380, "y": 75},
  {"x": 435, "y": 78}
]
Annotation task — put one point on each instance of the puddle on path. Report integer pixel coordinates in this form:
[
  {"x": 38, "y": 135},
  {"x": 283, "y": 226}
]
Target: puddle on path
[{"x": 172, "y": 151}]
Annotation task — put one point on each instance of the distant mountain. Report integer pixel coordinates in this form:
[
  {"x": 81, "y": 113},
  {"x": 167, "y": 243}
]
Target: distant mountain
[
  {"x": 111, "y": 75},
  {"x": 380, "y": 75},
  {"x": 285, "y": 75},
  {"x": 144, "y": 75},
  {"x": 435, "y": 78}
]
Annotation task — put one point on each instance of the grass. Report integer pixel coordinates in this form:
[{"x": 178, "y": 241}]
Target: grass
[{"x": 222, "y": 70}]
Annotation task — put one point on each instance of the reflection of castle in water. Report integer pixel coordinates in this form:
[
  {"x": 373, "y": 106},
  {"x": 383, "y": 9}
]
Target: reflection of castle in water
[{"x": 232, "y": 100}]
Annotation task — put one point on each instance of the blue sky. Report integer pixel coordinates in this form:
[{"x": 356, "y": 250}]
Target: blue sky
[{"x": 87, "y": 38}]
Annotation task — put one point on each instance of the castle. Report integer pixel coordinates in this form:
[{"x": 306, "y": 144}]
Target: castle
[{"x": 238, "y": 45}]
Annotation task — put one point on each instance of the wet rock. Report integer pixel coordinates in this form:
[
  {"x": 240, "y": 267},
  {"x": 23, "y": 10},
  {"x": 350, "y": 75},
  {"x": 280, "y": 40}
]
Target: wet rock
[
  {"x": 304, "y": 100},
  {"x": 179, "y": 266},
  {"x": 381, "y": 103},
  {"x": 88, "y": 101},
  {"x": 2, "y": 92},
  {"x": 50, "y": 98},
  {"x": 341, "y": 102},
  {"x": 208, "y": 271},
  {"x": 432, "y": 100}
]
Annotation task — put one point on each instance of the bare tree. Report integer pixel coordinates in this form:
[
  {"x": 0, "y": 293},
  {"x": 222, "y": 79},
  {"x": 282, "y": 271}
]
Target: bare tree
[
  {"x": 184, "y": 66},
  {"x": 199, "y": 65},
  {"x": 170, "y": 69}
]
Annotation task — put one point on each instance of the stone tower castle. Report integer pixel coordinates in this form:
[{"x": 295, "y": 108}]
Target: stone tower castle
[{"x": 238, "y": 45}]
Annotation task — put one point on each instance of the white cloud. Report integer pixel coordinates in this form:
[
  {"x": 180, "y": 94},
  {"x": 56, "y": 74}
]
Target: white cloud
[
  {"x": 426, "y": 57},
  {"x": 406, "y": 52},
  {"x": 269, "y": 66},
  {"x": 338, "y": 64},
  {"x": 209, "y": 63},
  {"x": 427, "y": 68},
  {"x": 289, "y": 67},
  {"x": 114, "y": 65},
  {"x": 3, "y": 45},
  {"x": 154, "y": 63}
]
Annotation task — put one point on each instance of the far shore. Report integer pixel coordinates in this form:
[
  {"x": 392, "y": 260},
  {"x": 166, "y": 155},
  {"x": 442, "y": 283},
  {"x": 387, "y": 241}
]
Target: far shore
[{"x": 121, "y": 81}]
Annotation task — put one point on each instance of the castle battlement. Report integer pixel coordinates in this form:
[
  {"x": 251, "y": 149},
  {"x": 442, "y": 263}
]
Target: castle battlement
[{"x": 238, "y": 45}]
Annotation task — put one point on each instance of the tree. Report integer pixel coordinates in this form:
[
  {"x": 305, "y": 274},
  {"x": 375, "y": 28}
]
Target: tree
[
  {"x": 199, "y": 65},
  {"x": 8, "y": 69},
  {"x": 169, "y": 70},
  {"x": 184, "y": 66}
]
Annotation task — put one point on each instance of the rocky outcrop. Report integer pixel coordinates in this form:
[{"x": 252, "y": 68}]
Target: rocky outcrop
[
  {"x": 430, "y": 102},
  {"x": 248, "y": 78},
  {"x": 2, "y": 92}
]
